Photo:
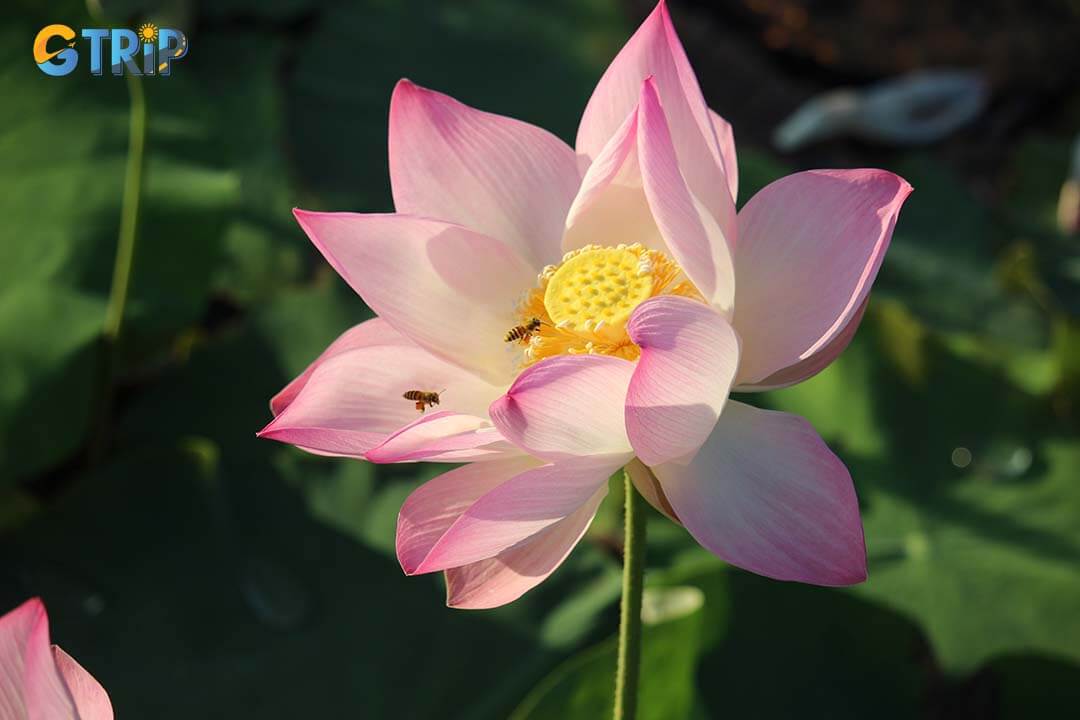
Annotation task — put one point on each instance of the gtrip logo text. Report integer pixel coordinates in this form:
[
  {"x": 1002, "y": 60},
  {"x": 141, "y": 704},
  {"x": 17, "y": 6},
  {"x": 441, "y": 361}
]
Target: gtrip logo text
[{"x": 150, "y": 50}]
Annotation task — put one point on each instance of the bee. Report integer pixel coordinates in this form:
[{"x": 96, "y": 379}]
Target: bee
[
  {"x": 524, "y": 332},
  {"x": 423, "y": 398}
]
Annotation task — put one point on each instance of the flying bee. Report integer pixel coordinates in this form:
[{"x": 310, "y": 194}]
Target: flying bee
[
  {"x": 423, "y": 398},
  {"x": 523, "y": 333}
]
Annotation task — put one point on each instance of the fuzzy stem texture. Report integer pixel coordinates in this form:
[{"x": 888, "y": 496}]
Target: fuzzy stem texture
[{"x": 628, "y": 669}]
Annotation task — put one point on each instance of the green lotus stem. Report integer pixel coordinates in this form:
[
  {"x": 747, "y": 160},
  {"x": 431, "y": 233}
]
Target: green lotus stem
[
  {"x": 125, "y": 249},
  {"x": 628, "y": 669},
  {"x": 129, "y": 213}
]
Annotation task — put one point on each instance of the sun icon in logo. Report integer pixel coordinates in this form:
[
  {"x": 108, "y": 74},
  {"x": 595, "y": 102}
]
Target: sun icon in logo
[{"x": 148, "y": 32}]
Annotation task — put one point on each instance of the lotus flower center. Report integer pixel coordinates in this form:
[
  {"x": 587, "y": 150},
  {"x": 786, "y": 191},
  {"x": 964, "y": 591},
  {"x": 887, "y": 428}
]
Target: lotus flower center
[
  {"x": 583, "y": 304},
  {"x": 601, "y": 285}
]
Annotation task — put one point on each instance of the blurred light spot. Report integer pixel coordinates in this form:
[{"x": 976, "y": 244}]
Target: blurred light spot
[
  {"x": 94, "y": 604},
  {"x": 777, "y": 37},
  {"x": 1019, "y": 462},
  {"x": 917, "y": 545},
  {"x": 205, "y": 454},
  {"x": 961, "y": 457},
  {"x": 911, "y": 109},
  {"x": 1068, "y": 211},
  {"x": 824, "y": 52},
  {"x": 794, "y": 17},
  {"x": 662, "y": 604}
]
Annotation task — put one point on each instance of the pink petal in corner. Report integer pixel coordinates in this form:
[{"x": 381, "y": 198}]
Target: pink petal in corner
[
  {"x": 35, "y": 683},
  {"x": 90, "y": 698}
]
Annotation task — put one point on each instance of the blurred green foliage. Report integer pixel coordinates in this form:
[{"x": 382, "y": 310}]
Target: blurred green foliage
[
  {"x": 672, "y": 635},
  {"x": 199, "y": 572}
]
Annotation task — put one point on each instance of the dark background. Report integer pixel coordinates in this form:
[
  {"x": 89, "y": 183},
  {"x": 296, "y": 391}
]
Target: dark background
[{"x": 199, "y": 572}]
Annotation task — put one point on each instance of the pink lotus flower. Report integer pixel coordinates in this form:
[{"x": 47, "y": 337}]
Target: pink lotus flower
[
  {"x": 640, "y": 299},
  {"x": 39, "y": 681}
]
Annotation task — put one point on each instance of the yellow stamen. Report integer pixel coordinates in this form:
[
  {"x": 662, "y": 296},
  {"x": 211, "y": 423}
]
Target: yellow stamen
[
  {"x": 585, "y": 302},
  {"x": 602, "y": 284}
]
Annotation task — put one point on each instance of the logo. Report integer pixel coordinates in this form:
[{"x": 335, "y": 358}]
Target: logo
[{"x": 150, "y": 50}]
